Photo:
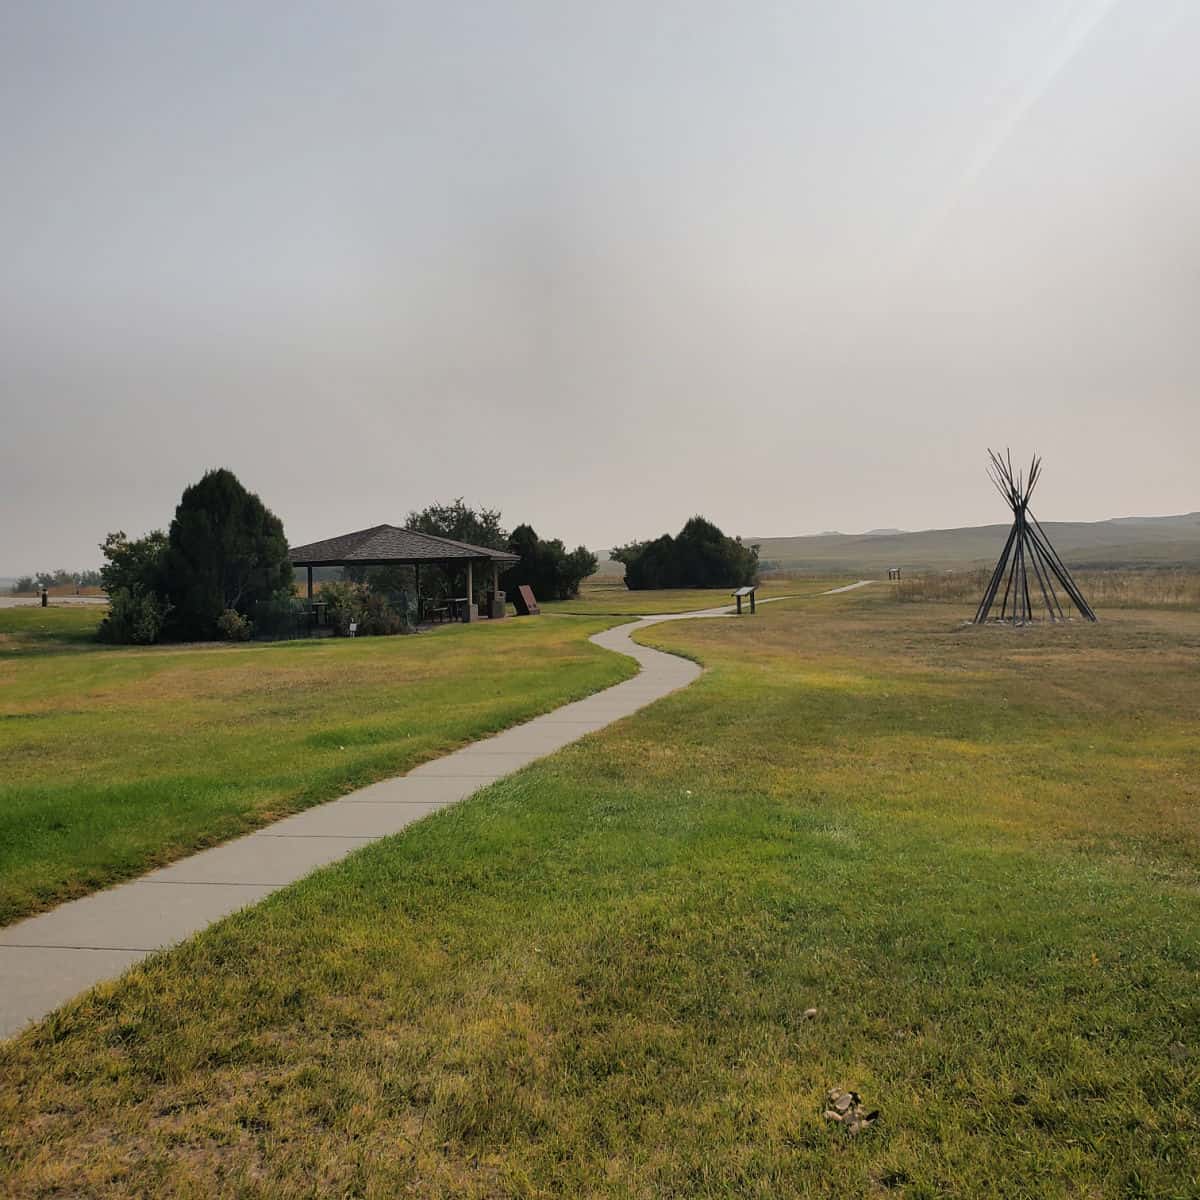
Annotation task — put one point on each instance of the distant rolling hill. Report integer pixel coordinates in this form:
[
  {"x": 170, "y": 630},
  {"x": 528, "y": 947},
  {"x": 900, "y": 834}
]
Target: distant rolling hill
[{"x": 1122, "y": 542}]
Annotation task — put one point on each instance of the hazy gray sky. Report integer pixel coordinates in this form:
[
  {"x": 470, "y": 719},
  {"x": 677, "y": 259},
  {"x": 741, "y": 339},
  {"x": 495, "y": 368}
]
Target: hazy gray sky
[{"x": 603, "y": 265}]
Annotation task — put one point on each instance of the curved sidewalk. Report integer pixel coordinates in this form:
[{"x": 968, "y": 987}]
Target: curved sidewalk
[{"x": 47, "y": 959}]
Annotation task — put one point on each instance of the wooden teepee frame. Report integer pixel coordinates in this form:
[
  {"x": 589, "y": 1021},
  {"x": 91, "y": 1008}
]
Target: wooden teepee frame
[{"x": 1028, "y": 548}]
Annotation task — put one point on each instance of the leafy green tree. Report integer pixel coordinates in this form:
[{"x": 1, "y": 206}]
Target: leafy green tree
[
  {"x": 136, "y": 566},
  {"x": 26, "y": 583},
  {"x": 480, "y": 527},
  {"x": 225, "y": 550},
  {"x": 546, "y": 566},
  {"x": 700, "y": 556},
  {"x": 134, "y": 617},
  {"x": 462, "y": 523}
]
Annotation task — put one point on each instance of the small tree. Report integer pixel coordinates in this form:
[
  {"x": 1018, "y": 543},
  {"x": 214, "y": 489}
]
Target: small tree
[
  {"x": 134, "y": 617},
  {"x": 136, "y": 565},
  {"x": 480, "y": 527},
  {"x": 225, "y": 550},
  {"x": 462, "y": 523},
  {"x": 546, "y": 566}
]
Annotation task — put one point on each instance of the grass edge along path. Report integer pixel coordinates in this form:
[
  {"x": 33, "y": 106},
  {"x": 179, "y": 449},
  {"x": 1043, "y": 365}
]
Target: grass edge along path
[{"x": 122, "y": 760}]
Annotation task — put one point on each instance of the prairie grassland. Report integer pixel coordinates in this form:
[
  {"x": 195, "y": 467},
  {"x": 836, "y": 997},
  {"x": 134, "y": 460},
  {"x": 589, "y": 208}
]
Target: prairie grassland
[
  {"x": 606, "y": 595},
  {"x": 975, "y": 853},
  {"x": 120, "y": 759},
  {"x": 1151, "y": 588}
]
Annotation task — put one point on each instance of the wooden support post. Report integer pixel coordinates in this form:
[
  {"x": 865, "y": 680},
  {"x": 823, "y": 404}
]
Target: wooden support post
[
  {"x": 752, "y": 606},
  {"x": 417, "y": 588},
  {"x": 310, "y": 585},
  {"x": 739, "y": 605},
  {"x": 470, "y": 591}
]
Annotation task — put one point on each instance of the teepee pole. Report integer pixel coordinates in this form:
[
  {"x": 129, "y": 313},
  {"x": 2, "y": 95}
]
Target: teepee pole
[
  {"x": 1046, "y": 594},
  {"x": 989, "y": 596},
  {"x": 1027, "y": 544},
  {"x": 1064, "y": 575}
]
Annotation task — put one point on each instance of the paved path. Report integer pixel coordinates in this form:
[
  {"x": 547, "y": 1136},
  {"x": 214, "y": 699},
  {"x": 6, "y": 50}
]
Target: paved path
[
  {"x": 47, "y": 959},
  {"x": 850, "y": 587}
]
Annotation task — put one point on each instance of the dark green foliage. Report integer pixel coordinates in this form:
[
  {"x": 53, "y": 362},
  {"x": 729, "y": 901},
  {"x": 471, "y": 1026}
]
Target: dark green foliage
[
  {"x": 26, "y": 583},
  {"x": 462, "y": 523},
  {"x": 135, "y": 617},
  {"x": 370, "y": 611},
  {"x": 700, "y": 556},
  {"x": 546, "y": 566},
  {"x": 135, "y": 566},
  {"x": 387, "y": 581},
  {"x": 342, "y": 603},
  {"x": 132, "y": 576},
  {"x": 378, "y": 618},
  {"x": 226, "y": 550},
  {"x": 281, "y": 617},
  {"x": 480, "y": 527}
]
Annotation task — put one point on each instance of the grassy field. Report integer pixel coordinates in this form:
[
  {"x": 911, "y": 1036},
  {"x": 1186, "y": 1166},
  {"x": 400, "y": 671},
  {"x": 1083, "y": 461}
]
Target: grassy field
[
  {"x": 116, "y": 760},
  {"x": 1150, "y": 588},
  {"x": 607, "y": 595},
  {"x": 975, "y": 853}
]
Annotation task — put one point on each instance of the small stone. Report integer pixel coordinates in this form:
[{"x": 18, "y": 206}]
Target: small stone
[
  {"x": 830, "y": 1115},
  {"x": 809, "y": 1013},
  {"x": 842, "y": 1103}
]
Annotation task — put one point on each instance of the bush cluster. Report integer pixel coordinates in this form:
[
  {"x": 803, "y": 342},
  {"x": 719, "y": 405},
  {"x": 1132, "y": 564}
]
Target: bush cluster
[
  {"x": 546, "y": 566},
  {"x": 224, "y": 555},
  {"x": 357, "y": 604},
  {"x": 135, "y": 617},
  {"x": 700, "y": 556},
  {"x": 233, "y": 627}
]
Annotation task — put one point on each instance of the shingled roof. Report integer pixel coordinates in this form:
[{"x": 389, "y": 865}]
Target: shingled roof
[{"x": 383, "y": 544}]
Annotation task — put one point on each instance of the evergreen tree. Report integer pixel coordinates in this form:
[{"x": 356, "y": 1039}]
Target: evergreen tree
[
  {"x": 701, "y": 556},
  {"x": 546, "y": 566},
  {"x": 225, "y": 550}
]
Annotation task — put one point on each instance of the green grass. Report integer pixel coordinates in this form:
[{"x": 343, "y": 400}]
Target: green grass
[
  {"x": 974, "y": 851},
  {"x": 30, "y": 628},
  {"x": 606, "y": 595},
  {"x": 116, "y": 760}
]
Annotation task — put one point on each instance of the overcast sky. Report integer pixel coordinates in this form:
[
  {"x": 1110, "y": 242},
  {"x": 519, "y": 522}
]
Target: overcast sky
[{"x": 600, "y": 265}]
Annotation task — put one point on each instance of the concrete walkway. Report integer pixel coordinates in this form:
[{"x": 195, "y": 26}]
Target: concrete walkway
[{"x": 47, "y": 959}]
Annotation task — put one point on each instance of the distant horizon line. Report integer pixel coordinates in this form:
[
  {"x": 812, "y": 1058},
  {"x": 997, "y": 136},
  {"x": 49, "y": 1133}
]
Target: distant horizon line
[{"x": 882, "y": 531}]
